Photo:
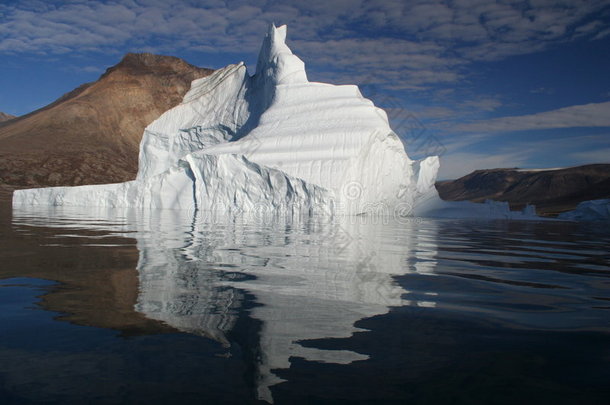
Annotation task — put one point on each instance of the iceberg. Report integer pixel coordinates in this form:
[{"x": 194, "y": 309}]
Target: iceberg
[
  {"x": 274, "y": 142},
  {"x": 271, "y": 141},
  {"x": 593, "y": 210}
]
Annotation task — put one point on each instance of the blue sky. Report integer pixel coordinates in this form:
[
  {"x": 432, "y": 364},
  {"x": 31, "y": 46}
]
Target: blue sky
[{"x": 484, "y": 83}]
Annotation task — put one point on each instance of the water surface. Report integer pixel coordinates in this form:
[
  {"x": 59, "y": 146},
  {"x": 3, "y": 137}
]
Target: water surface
[{"x": 124, "y": 307}]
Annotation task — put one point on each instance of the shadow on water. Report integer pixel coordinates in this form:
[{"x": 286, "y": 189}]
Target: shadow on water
[{"x": 165, "y": 305}]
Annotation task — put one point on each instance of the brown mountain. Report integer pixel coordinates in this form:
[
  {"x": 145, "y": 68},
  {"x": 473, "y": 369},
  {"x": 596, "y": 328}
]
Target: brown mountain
[
  {"x": 551, "y": 191},
  {"x": 5, "y": 116},
  {"x": 92, "y": 134}
]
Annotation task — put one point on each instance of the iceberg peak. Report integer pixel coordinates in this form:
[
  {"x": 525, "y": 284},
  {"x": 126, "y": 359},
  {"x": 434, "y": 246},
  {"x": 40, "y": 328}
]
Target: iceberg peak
[{"x": 276, "y": 62}]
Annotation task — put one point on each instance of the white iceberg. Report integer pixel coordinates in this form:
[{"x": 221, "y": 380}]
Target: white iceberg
[
  {"x": 594, "y": 210},
  {"x": 273, "y": 142},
  {"x": 269, "y": 141}
]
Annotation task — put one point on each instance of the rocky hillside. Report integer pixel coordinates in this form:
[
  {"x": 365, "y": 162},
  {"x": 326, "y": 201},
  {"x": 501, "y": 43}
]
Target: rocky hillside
[
  {"x": 552, "y": 191},
  {"x": 92, "y": 134},
  {"x": 5, "y": 116}
]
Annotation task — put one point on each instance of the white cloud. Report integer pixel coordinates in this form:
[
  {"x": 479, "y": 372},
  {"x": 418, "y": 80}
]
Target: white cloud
[
  {"x": 455, "y": 165},
  {"x": 482, "y": 104},
  {"x": 588, "y": 28},
  {"x": 593, "y": 156},
  {"x": 83, "y": 69},
  {"x": 542, "y": 90},
  {"x": 586, "y": 115},
  {"x": 602, "y": 34},
  {"x": 527, "y": 153}
]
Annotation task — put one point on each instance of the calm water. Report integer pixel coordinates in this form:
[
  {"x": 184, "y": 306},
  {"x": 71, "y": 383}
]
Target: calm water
[{"x": 120, "y": 307}]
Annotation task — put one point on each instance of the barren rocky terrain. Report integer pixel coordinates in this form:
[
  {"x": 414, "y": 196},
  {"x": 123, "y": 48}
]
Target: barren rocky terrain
[
  {"x": 551, "y": 191},
  {"x": 92, "y": 134},
  {"x": 5, "y": 116}
]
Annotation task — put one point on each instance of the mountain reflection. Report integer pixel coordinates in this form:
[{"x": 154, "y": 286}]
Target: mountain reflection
[{"x": 302, "y": 279}]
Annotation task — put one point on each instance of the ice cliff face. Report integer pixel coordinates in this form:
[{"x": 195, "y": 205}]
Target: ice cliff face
[{"x": 272, "y": 141}]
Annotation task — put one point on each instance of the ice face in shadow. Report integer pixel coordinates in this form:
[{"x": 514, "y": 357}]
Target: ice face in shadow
[{"x": 308, "y": 278}]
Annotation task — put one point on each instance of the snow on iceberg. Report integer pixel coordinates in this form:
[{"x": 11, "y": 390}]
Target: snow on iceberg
[{"x": 273, "y": 141}]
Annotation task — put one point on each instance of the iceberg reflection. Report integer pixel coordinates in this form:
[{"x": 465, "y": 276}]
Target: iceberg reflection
[{"x": 311, "y": 278}]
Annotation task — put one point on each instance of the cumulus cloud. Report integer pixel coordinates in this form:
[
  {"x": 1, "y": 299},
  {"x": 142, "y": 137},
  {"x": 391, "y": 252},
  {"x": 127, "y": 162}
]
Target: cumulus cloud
[{"x": 586, "y": 115}]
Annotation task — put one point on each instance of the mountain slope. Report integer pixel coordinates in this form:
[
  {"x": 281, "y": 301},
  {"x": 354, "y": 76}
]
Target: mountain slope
[
  {"x": 552, "y": 191},
  {"x": 92, "y": 134},
  {"x": 5, "y": 116}
]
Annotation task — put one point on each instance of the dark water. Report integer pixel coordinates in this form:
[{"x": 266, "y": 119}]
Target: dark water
[{"x": 119, "y": 307}]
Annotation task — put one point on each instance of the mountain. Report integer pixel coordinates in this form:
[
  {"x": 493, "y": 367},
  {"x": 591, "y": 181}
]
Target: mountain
[
  {"x": 552, "y": 191},
  {"x": 5, "y": 116},
  {"x": 91, "y": 135}
]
